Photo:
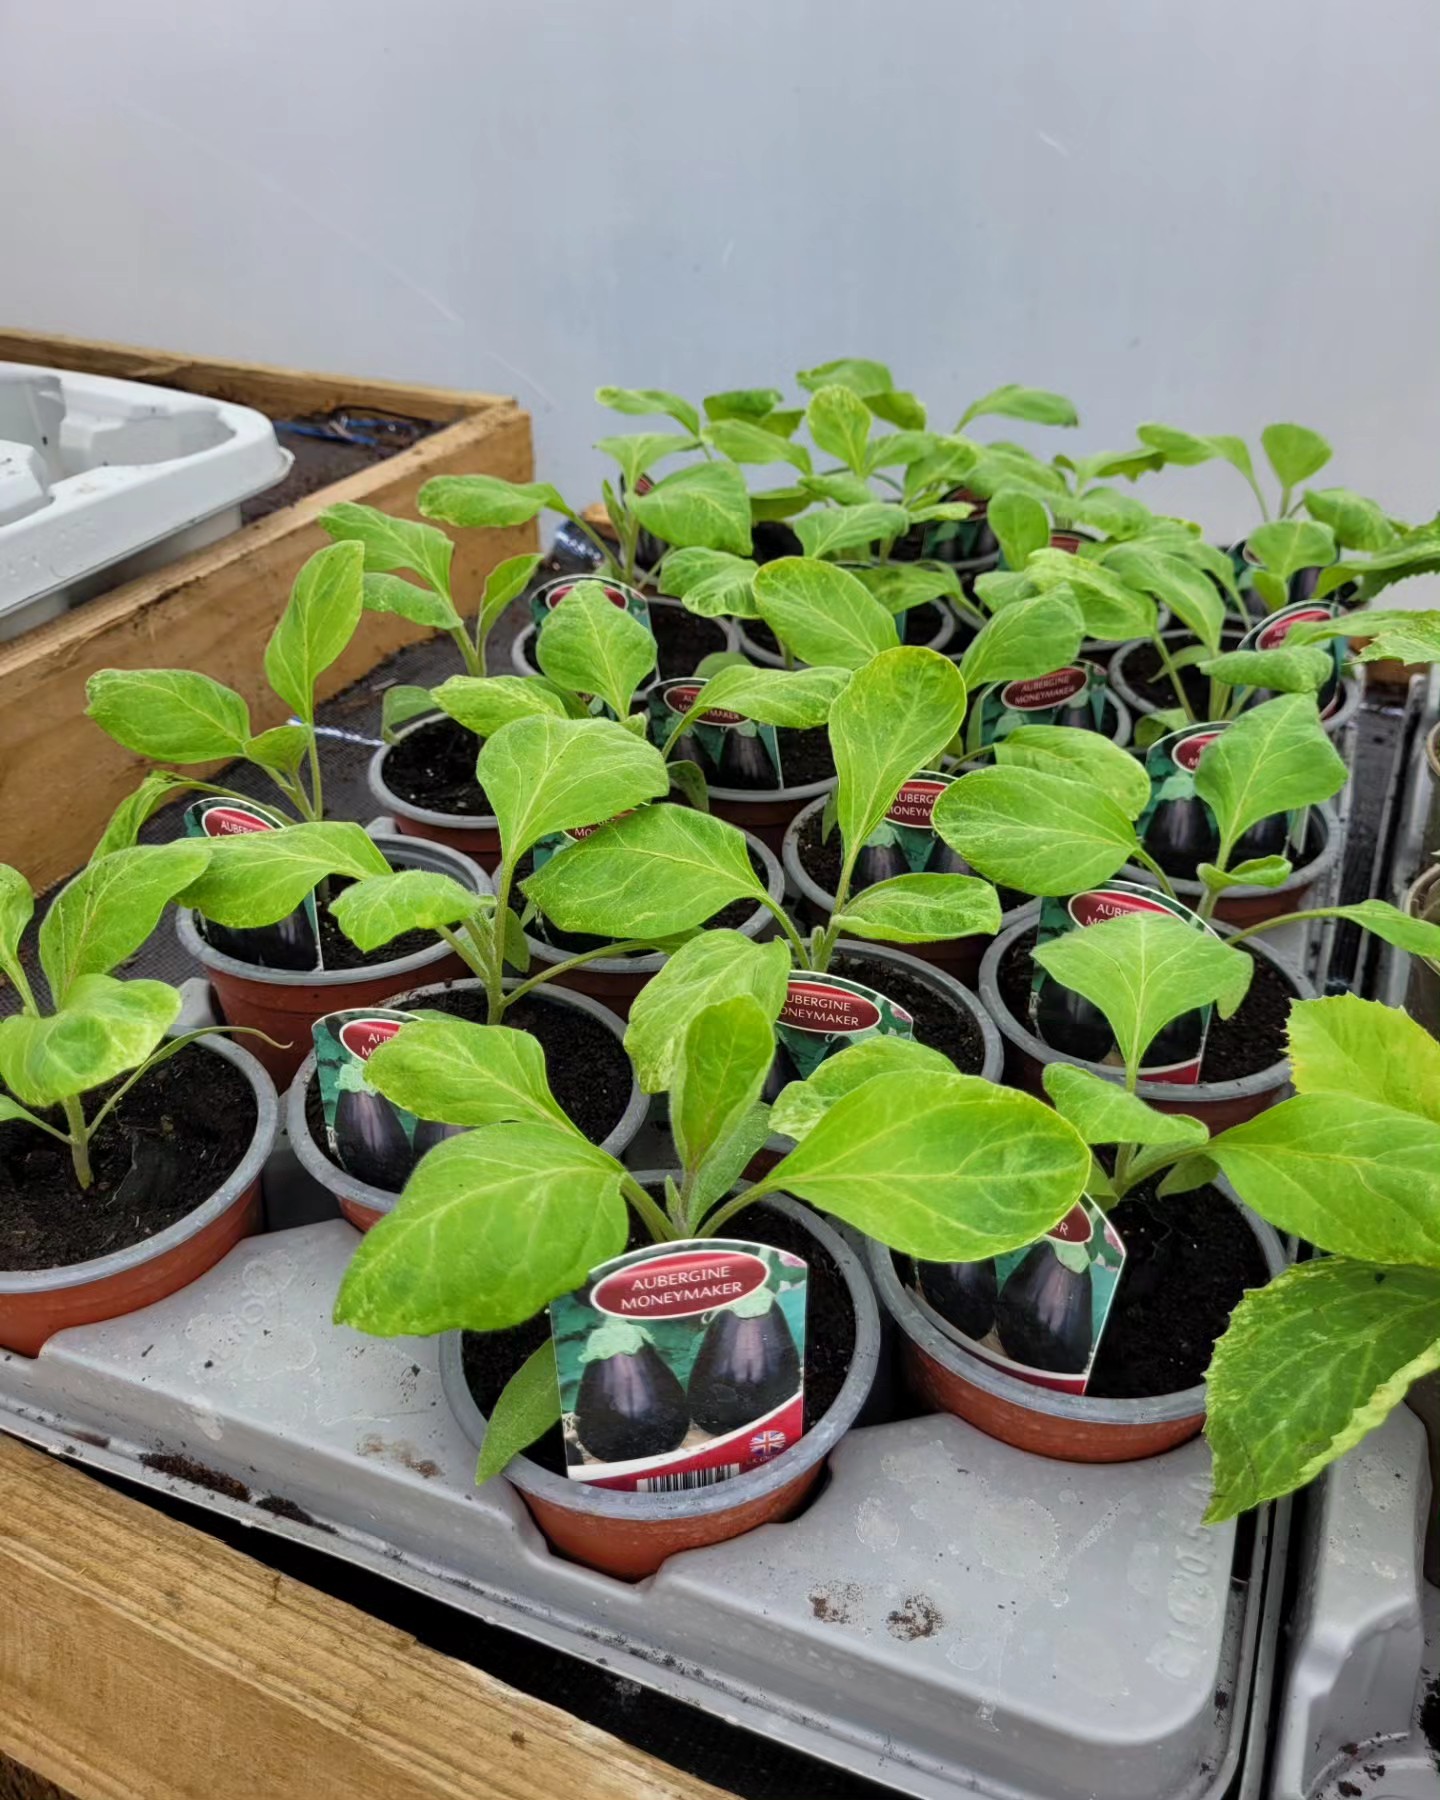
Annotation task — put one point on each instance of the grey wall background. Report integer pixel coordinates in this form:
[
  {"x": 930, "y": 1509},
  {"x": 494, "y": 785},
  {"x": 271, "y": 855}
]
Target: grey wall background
[{"x": 1210, "y": 212}]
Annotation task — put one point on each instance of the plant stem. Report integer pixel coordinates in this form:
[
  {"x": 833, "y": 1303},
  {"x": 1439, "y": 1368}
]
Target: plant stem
[
  {"x": 710, "y": 1227},
  {"x": 653, "y": 1216},
  {"x": 79, "y": 1141},
  {"x": 473, "y": 654},
  {"x": 797, "y": 947},
  {"x": 625, "y": 947},
  {"x": 1294, "y": 918},
  {"x": 495, "y": 961},
  {"x": 607, "y": 555},
  {"x": 1176, "y": 684},
  {"x": 317, "y": 803},
  {"x": 1143, "y": 857},
  {"x": 468, "y": 948}
]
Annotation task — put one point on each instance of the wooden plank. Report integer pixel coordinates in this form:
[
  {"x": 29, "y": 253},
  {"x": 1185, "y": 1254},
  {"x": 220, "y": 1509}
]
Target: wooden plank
[
  {"x": 142, "y": 1660},
  {"x": 24, "y": 1784},
  {"x": 280, "y": 392},
  {"x": 61, "y": 777}
]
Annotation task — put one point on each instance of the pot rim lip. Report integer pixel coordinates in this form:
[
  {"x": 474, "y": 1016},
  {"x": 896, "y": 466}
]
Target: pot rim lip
[
  {"x": 22, "y": 1282},
  {"x": 653, "y": 961},
  {"x": 1304, "y": 877},
  {"x": 422, "y": 849},
  {"x": 386, "y": 796},
  {"x": 1201, "y": 1093},
  {"x": 1350, "y": 688},
  {"x": 948, "y": 626},
  {"x": 1151, "y": 1409},
  {"x": 812, "y": 1447},
  {"x": 317, "y": 1164}
]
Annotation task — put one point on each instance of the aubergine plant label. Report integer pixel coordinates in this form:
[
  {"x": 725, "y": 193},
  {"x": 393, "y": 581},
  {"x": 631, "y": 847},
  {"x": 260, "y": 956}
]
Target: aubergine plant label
[
  {"x": 1074, "y": 695},
  {"x": 1271, "y": 633},
  {"x": 370, "y": 1136},
  {"x": 1068, "y": 1021},
  {"x": 290, "y": 943},
  {"x": 1037, "y": 1313},
  {"x": 731, "y": 749},
  {"x": 681, "y": 1365},
  {"x": 823, "y": 1014},
  {"x": 545, "y": 599},
  {"x": 1178, "y": 828},
  {"x": 905, "y": 841}
]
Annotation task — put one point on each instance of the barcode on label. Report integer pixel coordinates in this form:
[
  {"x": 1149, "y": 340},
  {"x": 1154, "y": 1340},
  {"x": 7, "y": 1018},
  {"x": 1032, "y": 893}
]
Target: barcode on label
[{"x": 689, "y": 1478}]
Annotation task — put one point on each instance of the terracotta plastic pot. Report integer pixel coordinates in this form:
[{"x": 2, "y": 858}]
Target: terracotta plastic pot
[
  {"x": 36, "y": 1303},
  {"x": 360, "y": 1201},
  {"x": 1217, "y": 1104},
  {"x": 522, "y": 656},
  {"x": 285, "y": 1003},
  {"x": 630, "y": 1535},
  {"x": 1334, "y": 722},
  {"x": 476, "y": 835},
  {"x": 1044, "y": 1421},
  {"x": 765, "y": 813},
  {"x": 1245, "y": 906},
  {"x": 618, "y": 979},
  {"x": 771, "y": 659},
  {"x": 1422, "y": 988}
]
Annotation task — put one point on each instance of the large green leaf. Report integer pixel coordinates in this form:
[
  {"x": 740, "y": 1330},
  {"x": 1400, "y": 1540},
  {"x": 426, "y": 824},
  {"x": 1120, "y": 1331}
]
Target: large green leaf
[
  {"x": 946, "y": 1167},
  {"x": 374, "y": 911},
  {"x": 702, "y": 506},
  {"x": 1415, "y": 552},
  {"x": 1307, "y": 1367},
  {"x": 483, "y": 703},
  {"x": 659, "y": 871},
  {"x": 1273, "y": 759},
  {"x": 1358, "y": 523},
  {"x": 105, "y": 1028},
  {"x": 492, "y": 1226},
  {"x": 17, "y": 906},
  {"x": 591, "y": 646},
  {"x": 1176, "y": 582},
  {"x": 1354, "y": 1177},
  {"x": 714, "y": 966},
  {"x": 712, "y": 583},
  {"x": 895, "y": 716},
  {"x": 727, "y": 1053},
  {"x": 839, "y": 422},
  {"x": 1417, "y": 936},
  {"x": 846, "y": 490},
  {"x": 857, "y": 373},
  {"x": 391, "y": 544},
  {"x": 746, "y": 442},
  {"x": 1109, "y": 607},
  {"x": 464, "y": 1074},
  {"x": 408, "y": 600},
  {"x": 282, "y": 747},
  {"x": 504, "y": 582},
  {"x": 1011, "y": 401},
  {"x": 742, "y": 403},
  {"x": 528, "y": 1406},
  {"x": 922, "y": 909},
  {"x": 1406, "y": 636},
  {"x": 1075, "y": 755},
  {"x": 801, "y": 1103},
  {"x": 258, "y": 877},
  {"x": 318, "y": 622},
  {"x": 899, "y": 586},
  {"x": 836, "y": 529},
  {"x": 1297, "y": 669},
  {"x": 1026, "y": 639},
  {"x": 647, "y": 403},
  {"x": 106, "y": 913},
  {"x": 1043, "y": 834},
  {"x": 1103, "y": 1113},
  {"x": 1286, "y": 546},
  {"x": 799, "y": 698},
  {"x": 485, "y": 500},
  {"x": 174, "y": 715},
  {"x": 641, "y": 450},
  {"x": 1020, "y": 523},
  {"x": 1144, "y": 969},
  {"x": 1295, "y": 452},
  {"x": 1346, "y": 1045},
  {"x": 542, "y": 774},
  {"x": 822, "y": 613}
]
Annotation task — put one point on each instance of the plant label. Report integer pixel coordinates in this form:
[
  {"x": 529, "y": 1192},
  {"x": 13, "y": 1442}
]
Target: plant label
[
  {"x": 1074, "y": 696},
  {"x": 1178, "y": 828},
  {"x": 822, "y": 1015},
  {"x": 545, "y": 599},
  {"x": 905, "y": 842},
  {"x": 731, "y": 750},
  {"x": 681, "y": 1365},
  {"x": 1271, "y": 633},
  {"x": 1067, "y": 1021},
  {"x": 290, "y": 943},
  {"x": 1038, "y": 1313},
  {"x": 370, "y": 1137}
]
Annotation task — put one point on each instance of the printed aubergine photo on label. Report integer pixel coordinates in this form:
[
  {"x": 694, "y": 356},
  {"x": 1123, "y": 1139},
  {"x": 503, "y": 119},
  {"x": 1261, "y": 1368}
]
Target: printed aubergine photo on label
[
  {"x": 1178, "y": 828},
  {"x": 290, "y": 943},
  {"x": 905, "y": 842},
  {"x": 1074, "y": 695},
  {"x": 681, "y": 1365},
  {"x": 1038, "y": 1313},
  {"x": 545, "y": 599},
  {"x": 1067, "y": 1021},
  {"x": 1271, "y": 633},
  {"x": 730, "y": 750},
  {"x": 824, "y": 1014},
  {"x": 370, "y": 1137}
]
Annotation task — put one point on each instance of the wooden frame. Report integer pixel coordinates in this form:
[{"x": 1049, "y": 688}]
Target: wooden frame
[{"x": 60, "y": 778}]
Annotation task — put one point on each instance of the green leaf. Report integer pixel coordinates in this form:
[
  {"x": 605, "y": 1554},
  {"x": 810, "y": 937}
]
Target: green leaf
[
  {"x": 712, "y": 583},
  {"x": 742, "y": 403},
  {"x": 1189, "y": 1173},
  {"x": 1345, "y": 1045},
  {"x": 839, "y": 422},
  {"x": 542, "y": 775},
  {"x": 261, "y": 876},
  {"x": 898, "y": 408},
  {"x": 899, "y": 586},
  {"x": 1109, "y": 608},
  {"x": 17, "y": 906},
  {"x": 106, "y": 913},
  {"x": 483, "y": 703},
  {"x": 123, "y": 828},
  {"x": 528, "y": 1406},
  {"x": 946, "y": 1167},
  {"x": 1354, "y": 1177},
  {"x": 1043, "y": 834},
  {"x": 391, "y": 544},
  {"x": 591, "y": 646},
  {"x": 1144, "y": 969},
  {"x": 659, "y": 871},
  {"x": 1112, "y": 514},
  {"x": 283, "y": 747},
  {"x": 105, "y": 1028},
  {"x": 860, "y": 376},
  {"x": 745, "y": 442},
  {"x": 646, "y": 403},
  {"x": 1103, "y": 1113},
  {"x": 1295, "y": 453},
  {"x": 1259, "y": 871},
  {"x": 1186, "y": 449},
  {"x": 502, "y": 585},
  {"x": 318, "y": 622},
  {"x": 1286, "y": 546},
  {"x": 714, "y": 966},
  {"x": 1409, "y": 637},
  {"x": 1290, "y": 669},
  {"x": 801, "y": 1103},
  {"x": 901, "y": 450},
  {"x": 705, "y": 505},
  {"x": 1273, "y": 759},
  {"x": 485, "y": 500},
  {"x": 922, "y": 909},
  {"x": 1037, "y": 405},
  {"x": 1358, "y": 523},
  {"x": 1021, "y": 524},
  {"x": 896, "y": 715},
  {"x": 835, "y": 529},
  {"x": 374, "y": 911},
  {"x": 845, "y": 489},
  {"x": 642, "y": 450},
  {"x": 1176, "y": 583},
  {"x": 798, "y": 698},
  {"x": 173, "y": 715},
  {"x": 461, "y": 1073},
  {"x": 727, "y": 1053},
  {"x": 407, "y": 600},
  {"x": 1075, "y": 755},
  {"x": 778, "y": 503},
  {"x": 1308, "y": 1366},
  {"x": 1026, "y": 639},
  {"x": 399, "y": 704},
  {"x": 687, "y": 779},
  {"x": 822, "y": 613},
  {"x": 492, "y": 1226}
]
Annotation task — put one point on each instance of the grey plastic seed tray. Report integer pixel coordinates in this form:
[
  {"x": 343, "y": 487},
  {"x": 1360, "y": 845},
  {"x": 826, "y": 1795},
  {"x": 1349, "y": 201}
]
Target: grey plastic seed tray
[{"x": 950, "y": 1616}]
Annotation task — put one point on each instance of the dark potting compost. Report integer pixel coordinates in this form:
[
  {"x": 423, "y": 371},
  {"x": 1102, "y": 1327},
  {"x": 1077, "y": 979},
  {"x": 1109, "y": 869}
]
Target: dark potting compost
[
  {"x": 729, "y": 918},
  {"x": 1146, "y": 675},
  {"x": 434, "y": 766},
  {"x": 1250, "y": 1041},
  {"x": 288, "y": 942},
  {"x": 490, "y": 1358},
  {"x": 940, "y": 1024},
  {"x": 174, "y": 1138},
  {"x": 683, "y": 640}
]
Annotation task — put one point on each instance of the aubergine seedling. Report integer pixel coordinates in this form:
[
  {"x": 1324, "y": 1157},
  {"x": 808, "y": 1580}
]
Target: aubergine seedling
[{"x": 496, "y": 1223}]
